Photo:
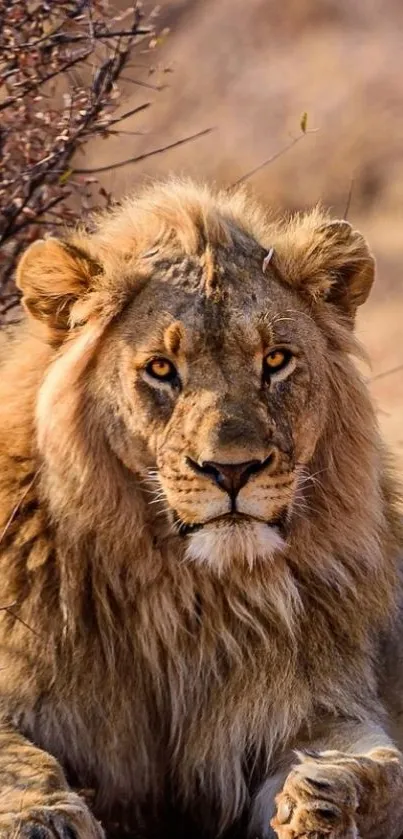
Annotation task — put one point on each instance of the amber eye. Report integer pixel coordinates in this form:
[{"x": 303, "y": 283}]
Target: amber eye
[
  {"x": 275, "y": 361},
  {"x": 162, "y": 369}
]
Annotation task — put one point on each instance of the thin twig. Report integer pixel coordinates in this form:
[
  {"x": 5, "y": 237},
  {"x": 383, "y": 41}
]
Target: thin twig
[
  {"x": 386, "y": 373},
  {"x": 34, "y": 86},
  {"x": 349, "y": 196},
  {"x": 74, "y": 39},
  {"x": 35, "y": 219},
  {"x": 270, "y": 159},
  {"x": 112, "y": 166},
  {"x": 128, "y": 114},
  {"x": 18, "y": 505},
  {"x": 9, "y": 610},
  {"x": 147, "y": 85}
]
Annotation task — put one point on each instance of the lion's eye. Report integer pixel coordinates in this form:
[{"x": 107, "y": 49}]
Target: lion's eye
[
  {"x": 162, "y": 369},
  {"x": 275, "y": 361}
]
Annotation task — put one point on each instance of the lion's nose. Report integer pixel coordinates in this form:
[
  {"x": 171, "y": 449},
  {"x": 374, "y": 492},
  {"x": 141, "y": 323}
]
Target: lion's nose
[{"x": 231, "y": 477}]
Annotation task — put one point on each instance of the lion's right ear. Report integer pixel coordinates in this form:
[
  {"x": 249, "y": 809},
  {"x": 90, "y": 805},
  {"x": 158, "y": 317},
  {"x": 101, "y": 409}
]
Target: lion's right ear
[{"x": 52, "y": 276}]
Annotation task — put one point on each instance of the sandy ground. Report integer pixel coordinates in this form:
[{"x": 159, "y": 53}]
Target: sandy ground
[{"x": 249, "y": 69}]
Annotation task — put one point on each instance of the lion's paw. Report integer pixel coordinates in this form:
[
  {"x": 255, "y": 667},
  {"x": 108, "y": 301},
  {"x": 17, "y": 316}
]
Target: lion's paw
[
  {"x": 67, "y": 818},
  {"x": 319, "y": 800}
]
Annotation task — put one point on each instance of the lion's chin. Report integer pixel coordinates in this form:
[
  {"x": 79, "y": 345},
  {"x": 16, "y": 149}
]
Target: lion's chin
[{"x": 220, "y": 544}]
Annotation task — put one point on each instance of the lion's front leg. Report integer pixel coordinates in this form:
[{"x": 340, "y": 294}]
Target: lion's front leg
[
  {"x": 35, "y": 801},
  {"x": 332, "y": 794},
  {"x": 347, "y": 783}
]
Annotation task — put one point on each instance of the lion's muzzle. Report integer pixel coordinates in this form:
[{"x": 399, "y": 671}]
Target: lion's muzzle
[{"x": 232, "y": 477}]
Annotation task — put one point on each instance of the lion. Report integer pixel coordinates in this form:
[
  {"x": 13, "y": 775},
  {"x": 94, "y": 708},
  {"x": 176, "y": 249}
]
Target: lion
[{"x": 200, "y": 553}]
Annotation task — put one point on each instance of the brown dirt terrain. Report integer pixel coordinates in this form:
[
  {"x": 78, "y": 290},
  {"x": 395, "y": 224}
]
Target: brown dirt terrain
[{"x": 250, "y": 68}]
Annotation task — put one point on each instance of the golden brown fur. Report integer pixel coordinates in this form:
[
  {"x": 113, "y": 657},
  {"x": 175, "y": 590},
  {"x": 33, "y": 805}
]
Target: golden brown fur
[{"x": 174, "y": 668}]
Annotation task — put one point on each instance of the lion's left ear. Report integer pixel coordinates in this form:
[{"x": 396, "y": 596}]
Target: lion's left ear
[
  {"x": 326, "y": 261},
  {"x": 349, "y": 265}
]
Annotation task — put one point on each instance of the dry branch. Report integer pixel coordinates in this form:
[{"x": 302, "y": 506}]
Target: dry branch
[{"x": 59, "y": 72}]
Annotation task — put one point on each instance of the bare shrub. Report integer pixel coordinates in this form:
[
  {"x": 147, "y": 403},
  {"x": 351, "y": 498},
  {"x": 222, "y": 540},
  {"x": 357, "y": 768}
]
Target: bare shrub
[{"x": 59, "y": 72}]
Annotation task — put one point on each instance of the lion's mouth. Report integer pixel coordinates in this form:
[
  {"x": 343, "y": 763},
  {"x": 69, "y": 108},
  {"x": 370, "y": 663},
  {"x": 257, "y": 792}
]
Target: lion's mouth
[{"x": 186, "y": 529}]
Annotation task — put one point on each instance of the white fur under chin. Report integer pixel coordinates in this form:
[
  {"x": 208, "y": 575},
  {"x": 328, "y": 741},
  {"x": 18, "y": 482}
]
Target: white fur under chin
[{"x": 222, "y": 544}]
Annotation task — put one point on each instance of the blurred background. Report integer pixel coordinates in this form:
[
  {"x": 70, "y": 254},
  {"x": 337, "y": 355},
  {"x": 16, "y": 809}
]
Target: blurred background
[{"x": 249, "y": 70}]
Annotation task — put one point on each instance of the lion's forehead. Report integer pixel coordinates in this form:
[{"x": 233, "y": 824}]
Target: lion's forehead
[{"x": 242, "y": 311}]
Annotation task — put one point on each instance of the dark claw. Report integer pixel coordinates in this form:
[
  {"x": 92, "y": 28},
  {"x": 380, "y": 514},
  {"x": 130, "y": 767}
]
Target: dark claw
[
  {"x": 324, "y": 785},
  {"x": 38, "y": 831},
  {"x": 327, "y": 813}
]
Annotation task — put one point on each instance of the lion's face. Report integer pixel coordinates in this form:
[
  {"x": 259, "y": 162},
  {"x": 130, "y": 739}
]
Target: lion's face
[
  {"x": 208, "y": 367},
  {"x": 224, "y": 395}
]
